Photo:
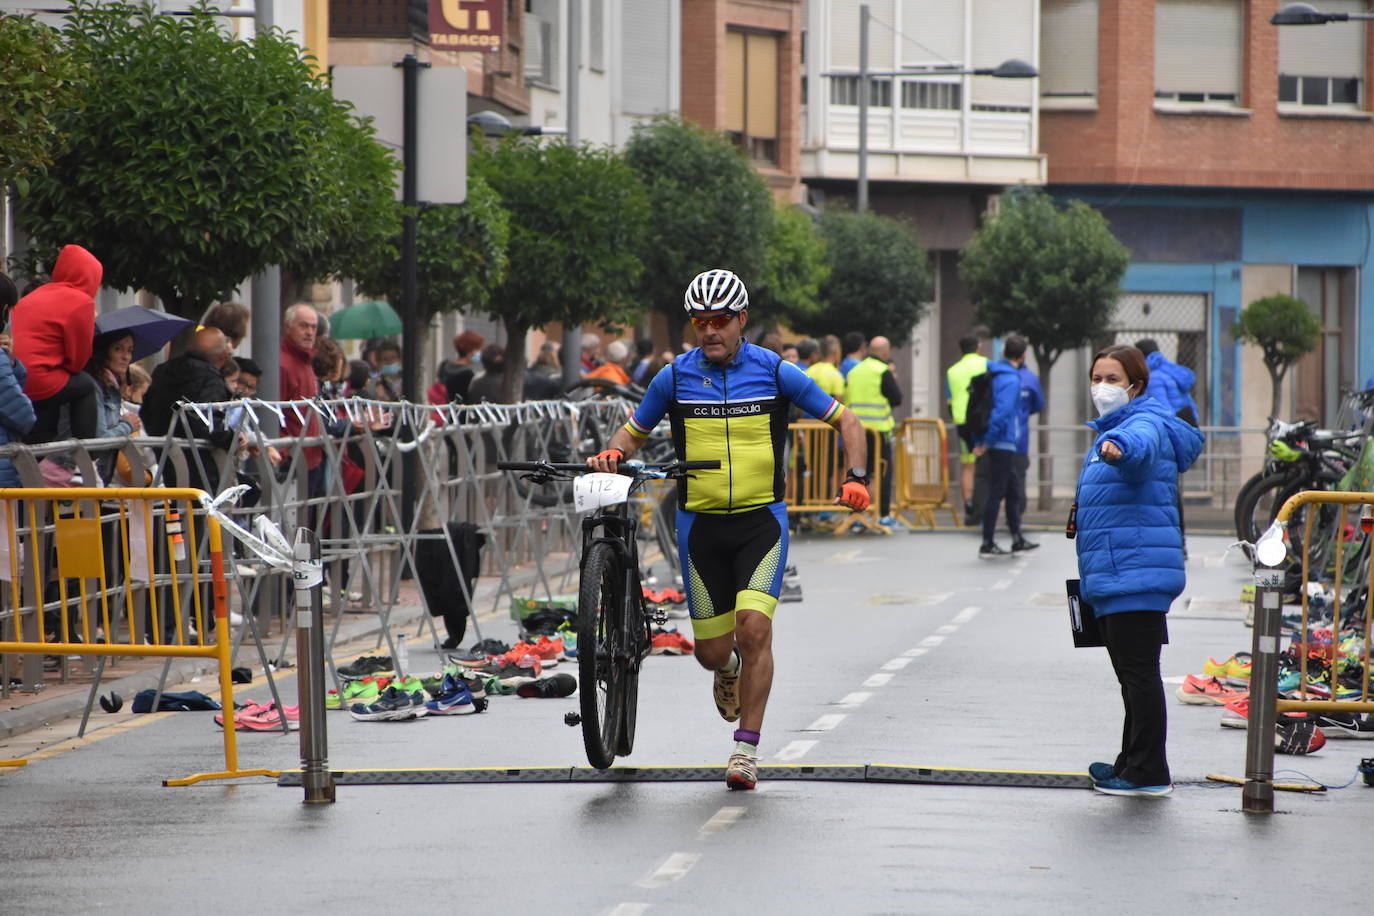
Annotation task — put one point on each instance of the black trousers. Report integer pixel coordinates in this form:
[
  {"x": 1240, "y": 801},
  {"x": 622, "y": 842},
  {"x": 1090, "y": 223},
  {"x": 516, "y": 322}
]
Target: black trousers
[
  {"x": 1133, "y": 641},
  {"x": 79, "y": 397},
  {"x": 1001, "y": 486},
  {"x": 881, "y": 444}
]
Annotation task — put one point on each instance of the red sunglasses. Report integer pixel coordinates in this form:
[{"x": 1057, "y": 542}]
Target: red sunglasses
[{"x": 717, "y": 322}]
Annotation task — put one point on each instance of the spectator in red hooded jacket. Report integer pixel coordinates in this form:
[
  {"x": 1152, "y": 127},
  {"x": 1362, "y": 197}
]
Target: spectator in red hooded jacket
[{"x": 54, "y": 328}]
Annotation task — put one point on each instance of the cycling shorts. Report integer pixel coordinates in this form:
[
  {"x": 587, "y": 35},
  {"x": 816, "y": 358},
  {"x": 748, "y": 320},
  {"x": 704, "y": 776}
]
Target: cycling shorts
[{"x": 731, "y": 562}]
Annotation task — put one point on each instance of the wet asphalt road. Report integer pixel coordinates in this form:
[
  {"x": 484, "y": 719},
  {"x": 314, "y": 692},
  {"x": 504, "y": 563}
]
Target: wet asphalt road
[{"x": 906, "y": 650}]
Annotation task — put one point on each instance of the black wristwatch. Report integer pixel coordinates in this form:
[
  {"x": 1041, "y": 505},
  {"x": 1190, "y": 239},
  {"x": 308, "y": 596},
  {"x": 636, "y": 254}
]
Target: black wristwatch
[{"x": 859, "y": 474}]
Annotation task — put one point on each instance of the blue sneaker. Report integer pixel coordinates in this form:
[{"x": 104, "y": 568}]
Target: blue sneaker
[
  {"x": 453, "y": 699},
  {"x": 1101, "y": 771},
  {"x": 1118, "y": 786}
]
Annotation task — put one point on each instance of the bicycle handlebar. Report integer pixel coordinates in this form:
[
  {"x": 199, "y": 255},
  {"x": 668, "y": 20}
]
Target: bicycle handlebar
[{"x": 627, "y": 469}]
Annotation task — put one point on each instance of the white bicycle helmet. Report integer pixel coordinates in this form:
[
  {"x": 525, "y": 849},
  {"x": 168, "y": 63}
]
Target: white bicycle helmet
[{"x": 715, "y": 289}]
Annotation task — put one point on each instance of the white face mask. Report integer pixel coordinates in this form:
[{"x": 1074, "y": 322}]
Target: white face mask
[{"x": 1107, "y": 398}]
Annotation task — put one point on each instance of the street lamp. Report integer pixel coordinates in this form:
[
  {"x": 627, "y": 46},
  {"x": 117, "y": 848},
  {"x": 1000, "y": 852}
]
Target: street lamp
[
  {"x": 1307, "y": 14},
  {"x": 1011, "y": 68},
  {"x": 495, "y": 124}
]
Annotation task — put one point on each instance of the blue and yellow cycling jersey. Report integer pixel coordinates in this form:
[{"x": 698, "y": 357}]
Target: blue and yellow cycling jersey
[{"x": 736, "y": 414}]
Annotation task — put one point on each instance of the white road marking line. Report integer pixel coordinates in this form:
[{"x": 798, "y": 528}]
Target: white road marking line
[
  {"x": 630, "y": 909},
  {"x": 825, "y": 723},
  {"x": 1000, "y": 585},
  {"x": 932, "y": 641},
  {"x": 948, "y": 629},
  {"x": 721, "y": 819},
  {"x": 795, "y": 749},
  {"x": 877, "y": 680},
  {"x": 853, "y": 699},
  {"x": 966, "y": 615},
  {"x": 915, "y": 653},
  {"x": 896, "y": 664},
  {"x": 672, "y": 869}
]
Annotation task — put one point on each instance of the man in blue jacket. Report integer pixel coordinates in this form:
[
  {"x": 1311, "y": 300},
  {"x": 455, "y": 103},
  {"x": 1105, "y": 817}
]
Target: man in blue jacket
[
  {"x": 1170, "y": 383},
  {"x": 999, "y": 442},
  {"x": 1032, "y": 402}
]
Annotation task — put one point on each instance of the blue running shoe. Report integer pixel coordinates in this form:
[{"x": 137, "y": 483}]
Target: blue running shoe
[
  {"x": 1118, "y": 786},
  {"x": 1101, "y": 771},
  {"x": 453, "y": 699}
]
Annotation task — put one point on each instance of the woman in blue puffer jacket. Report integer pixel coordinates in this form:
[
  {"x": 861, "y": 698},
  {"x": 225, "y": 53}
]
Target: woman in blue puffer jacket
[{"x": 1130, "y": 553}]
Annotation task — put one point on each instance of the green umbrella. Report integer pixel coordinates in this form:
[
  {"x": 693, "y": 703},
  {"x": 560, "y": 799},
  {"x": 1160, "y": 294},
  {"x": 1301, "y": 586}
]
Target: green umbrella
[{"x": 363, "y": 320}]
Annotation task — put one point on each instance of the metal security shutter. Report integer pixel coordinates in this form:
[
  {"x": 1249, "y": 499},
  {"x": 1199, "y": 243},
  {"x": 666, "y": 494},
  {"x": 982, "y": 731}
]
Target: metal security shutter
[
  {"x": 1177, "y": 322},
  {"x": 1332, "y": 50},
  {"x": 734, "y": 81},
  {"x": 934, "y": 31},
  {"x": 1068, "y": 47},
  {"x": 596, "y": 34},
  {"x": 1003, "y": 29},
  {"x": 1198, "y": 46},
  {"x": 844, "y": 34},
  {"x": 761, "y": 86},
  {"x": 646, "y": 57}
]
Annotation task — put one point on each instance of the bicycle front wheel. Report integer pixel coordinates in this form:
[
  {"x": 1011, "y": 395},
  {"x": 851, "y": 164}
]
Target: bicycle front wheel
[{"x": 600, "y": 655}]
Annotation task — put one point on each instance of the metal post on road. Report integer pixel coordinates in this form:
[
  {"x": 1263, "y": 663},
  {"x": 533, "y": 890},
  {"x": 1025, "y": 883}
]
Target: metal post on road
[
  {"x": 1257, "y": 797},
  {"x": 861, "y": 194},
  {"x": 571, "y": 352},
  {"x": 308, "y": 578}
]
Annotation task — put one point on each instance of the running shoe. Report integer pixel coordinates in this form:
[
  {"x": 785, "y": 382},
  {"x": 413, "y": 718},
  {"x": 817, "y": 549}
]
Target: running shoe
[
  {"x": 1235, "y": 671},
  {"x": 391, "y": 706},
  {"x": 364, "y": 691},
  {"x": 367, "y": 665},
  {"x": 1235, "y": 714},
  {"x": 1346, "y": 725},
  {"x": 452, "y": 699},
  {"x": 1118, "y": 786},
  {"x": 268, "y": 721},
  {"x": 671, "y": 642},
  {"x": 1206, "y": 691},
  {"x": 1101, "y": 771},
  {"x": 554, "y": 687},
  {"x": 992, "y": 551},
  {"x": 1298, "y": 736},
  {"x": 727, "y": 695},
  {"x": 470, "y": 679},
  {"x": 742, "y": 772},
  {"x": 1021, "y": 545}
]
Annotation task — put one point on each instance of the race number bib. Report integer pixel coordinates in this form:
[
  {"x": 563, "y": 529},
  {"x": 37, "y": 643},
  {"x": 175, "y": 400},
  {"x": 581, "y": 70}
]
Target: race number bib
[{"x": 595, "y": 491}]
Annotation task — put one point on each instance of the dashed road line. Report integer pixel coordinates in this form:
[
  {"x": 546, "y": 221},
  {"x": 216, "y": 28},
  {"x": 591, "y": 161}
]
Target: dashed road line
[
  {"x": 854, "y": 699},
  {"x": 795, "y": 749},
  {"x": 673, "y": 869},
  {"x": 915, "y": 653},
  {"x": 966, "y": 615},
  {"x": 1000, "y": 585},
  {"x": 896, "y": 664},
  {"x": 877, "y": 680},
  {"x": 931, "y": 642},
  {"x": 825, "y": 723},
  {"x": 720, "y": 820},
  {"x": 629, "y": 909}
]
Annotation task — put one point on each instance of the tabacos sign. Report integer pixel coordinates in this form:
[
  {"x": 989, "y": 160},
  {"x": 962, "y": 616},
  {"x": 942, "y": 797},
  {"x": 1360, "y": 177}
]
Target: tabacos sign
[{"x": 467, "y": 25}]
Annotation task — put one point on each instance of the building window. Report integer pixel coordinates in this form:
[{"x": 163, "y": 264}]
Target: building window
[
  {"x": 596, "y": 35},
  {"x": 1068, "y": 49},
  {"x": 844, "y": 90},
  {"x": 1324, "y": 66},
  {"x": 751, "y": 93},
  {"x": 541, "y": 42},
  {"x": 1199, "y": 51},
  {"x": 926, "y": 94}
]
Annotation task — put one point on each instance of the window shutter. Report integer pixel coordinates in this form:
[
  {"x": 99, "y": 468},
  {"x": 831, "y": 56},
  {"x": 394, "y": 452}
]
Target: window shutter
[
  {"x": 934, "y": 31},
  {"x": 734, "y": 81},
  {"x": 1003, "y": 30},
  {"x": 646, "y": 58},
  {"x": 1331, "y": 50},
  {"x": 1068, "y": 47},
  {"x": 534, "y": 48},
  {"x": 844, "y": 35},
  {"x": 761, "y": 58},
  {"x": 1198, "y": 46},
  {"x": 596, "y": 34}
]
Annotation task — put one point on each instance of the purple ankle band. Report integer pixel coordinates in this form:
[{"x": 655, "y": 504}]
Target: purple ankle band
[{"x": 746, "y": 736}]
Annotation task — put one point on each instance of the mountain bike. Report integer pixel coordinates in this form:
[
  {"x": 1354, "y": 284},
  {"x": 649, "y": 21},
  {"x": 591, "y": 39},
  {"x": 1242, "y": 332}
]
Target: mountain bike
[{"x": 614, "y": 626}]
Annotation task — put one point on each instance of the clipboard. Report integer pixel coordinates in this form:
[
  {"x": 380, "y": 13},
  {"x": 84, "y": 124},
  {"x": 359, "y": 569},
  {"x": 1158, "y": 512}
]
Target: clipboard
[{"x": 1082, "y": 620}]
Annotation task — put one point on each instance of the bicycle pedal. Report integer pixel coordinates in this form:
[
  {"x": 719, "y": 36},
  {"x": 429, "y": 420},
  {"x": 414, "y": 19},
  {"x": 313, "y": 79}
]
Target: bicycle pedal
[
  {"x": 659, "y": 616},
  {"x": 572, "y": 719}
]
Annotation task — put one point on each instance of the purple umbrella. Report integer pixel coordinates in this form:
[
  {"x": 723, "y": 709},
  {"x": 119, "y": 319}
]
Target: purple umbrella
[{"x": 150, "y": 328}]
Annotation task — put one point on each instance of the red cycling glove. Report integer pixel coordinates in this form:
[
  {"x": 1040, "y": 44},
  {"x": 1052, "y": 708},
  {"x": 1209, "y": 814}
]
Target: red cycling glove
[
  {"x": 613, "y": 455},
  {"x": 854, "y": 495}
]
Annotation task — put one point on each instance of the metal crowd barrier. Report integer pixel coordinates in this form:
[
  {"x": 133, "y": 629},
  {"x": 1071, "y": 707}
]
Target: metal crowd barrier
[
  {"x": 922, "y": 482},
  {"x": 93, "y": 573},
  {"x": 1324, "y": 540}
]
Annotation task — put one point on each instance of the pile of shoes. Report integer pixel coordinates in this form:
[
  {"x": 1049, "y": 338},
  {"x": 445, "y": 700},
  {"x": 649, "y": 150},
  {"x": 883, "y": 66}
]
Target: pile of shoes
[
  {"x": 520, "y": 664},
  {"x": 669, "y": 602},
  {"x": 263, "y": 717},
  {"x": 668, "y": 641}
]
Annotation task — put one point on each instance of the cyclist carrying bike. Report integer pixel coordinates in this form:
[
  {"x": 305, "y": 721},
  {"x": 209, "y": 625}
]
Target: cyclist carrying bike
[{"x": 728, "y": 400}]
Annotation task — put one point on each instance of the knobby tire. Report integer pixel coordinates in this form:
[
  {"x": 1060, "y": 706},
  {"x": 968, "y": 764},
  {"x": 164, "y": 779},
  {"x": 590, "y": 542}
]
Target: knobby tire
[{"x": 600, "y": 662}]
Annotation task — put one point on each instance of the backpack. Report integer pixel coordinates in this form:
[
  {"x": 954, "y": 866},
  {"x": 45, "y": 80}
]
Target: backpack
[{"x": 979, "y": 410}]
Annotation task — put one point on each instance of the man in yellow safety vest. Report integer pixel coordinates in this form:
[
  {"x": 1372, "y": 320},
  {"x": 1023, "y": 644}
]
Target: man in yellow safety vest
[
  {"x": 871, "y": 391},
  {"x": 957, "y": 378}
]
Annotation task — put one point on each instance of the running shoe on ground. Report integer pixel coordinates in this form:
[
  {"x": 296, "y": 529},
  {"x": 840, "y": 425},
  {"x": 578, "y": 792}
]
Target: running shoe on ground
[
  {"x": 553, "y": 687},
  {"x": 368, "y": 664},
  {"x": 1118, "y": 786},
  {"x": 1345, "y": 725},
  {"x": 391, "y": 706},
  {"x": 365, "y": 691},
  {"x": 268, "y": 721},
  {"x": 727, "y": 695},
  {"x": 742, "y": 772},
  {"x": 671, "y": 642},
  {"x": 1101, "y": 771},
  {"x": 453, "y": 699},
  {"x": 992, "y": 551},
  {"x": 474, "y": 682},
  {"x": 791, "y": 592},
  {"x": 479, "y": 652},
  {"x": 1021, "y": 545},
  {"x": 1206, "y": 691},
  {"x": 1298, "y": 736}
]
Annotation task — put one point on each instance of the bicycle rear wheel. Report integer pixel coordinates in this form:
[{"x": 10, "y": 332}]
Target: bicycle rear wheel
[
  {"x": 600, "y": 656},
  {"x": 636, "y": 636}
]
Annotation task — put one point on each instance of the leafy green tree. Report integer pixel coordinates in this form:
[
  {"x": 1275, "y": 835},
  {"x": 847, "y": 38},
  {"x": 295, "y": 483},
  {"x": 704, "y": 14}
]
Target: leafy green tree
[
  {"x": 879, "y": 279},
  {"x": 40, "y": 81},
  {"x": 708, "y": 208},
  {"x": 1285, "y": 329},
  {"x": 1051, "y": 274},
  {"x": 577, "y": 215},
  {"x": 198, "y": 160},
  {"x": 794, "y": 269},
  {"x": 460, "y": 254}
]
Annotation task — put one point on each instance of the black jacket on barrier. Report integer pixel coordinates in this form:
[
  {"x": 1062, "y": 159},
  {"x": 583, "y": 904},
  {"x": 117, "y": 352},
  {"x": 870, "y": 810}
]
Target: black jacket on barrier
[
  {"x": 190, "y": 377},
  {"x": 439, "y": 579}
]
